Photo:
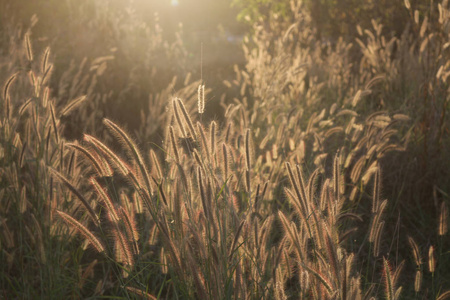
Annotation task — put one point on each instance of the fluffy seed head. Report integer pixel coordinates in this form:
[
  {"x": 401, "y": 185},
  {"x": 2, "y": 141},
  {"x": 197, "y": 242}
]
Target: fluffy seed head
[{"x": 201, "y": 98}]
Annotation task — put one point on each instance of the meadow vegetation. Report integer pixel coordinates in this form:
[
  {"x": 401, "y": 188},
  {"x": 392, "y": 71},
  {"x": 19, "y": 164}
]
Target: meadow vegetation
[{"x": 320, "y": 172}]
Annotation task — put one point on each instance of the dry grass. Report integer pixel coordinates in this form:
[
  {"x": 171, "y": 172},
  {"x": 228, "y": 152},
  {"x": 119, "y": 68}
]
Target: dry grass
[{"x": 281, "y": 198}]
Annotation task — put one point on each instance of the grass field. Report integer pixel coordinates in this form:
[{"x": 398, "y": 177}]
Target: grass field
[{"x": 317, "y": 168}]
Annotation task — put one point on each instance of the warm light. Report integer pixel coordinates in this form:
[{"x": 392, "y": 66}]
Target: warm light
[{"x": 174, "y": 2}]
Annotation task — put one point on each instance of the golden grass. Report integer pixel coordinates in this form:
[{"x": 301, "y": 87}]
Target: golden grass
[
  {"x": 83, "y": 230},
  {"x": 275, "y": 200}
]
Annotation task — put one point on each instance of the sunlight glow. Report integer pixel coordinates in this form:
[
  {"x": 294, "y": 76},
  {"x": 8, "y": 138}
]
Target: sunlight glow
[{"x": 174, "y": 2}]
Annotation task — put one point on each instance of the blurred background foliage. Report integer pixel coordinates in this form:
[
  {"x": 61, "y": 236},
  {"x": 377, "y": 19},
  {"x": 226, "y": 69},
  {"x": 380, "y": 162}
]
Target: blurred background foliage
[
  {"x": 337, "y": 18},
  {"x": 128, "y": 49}
]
